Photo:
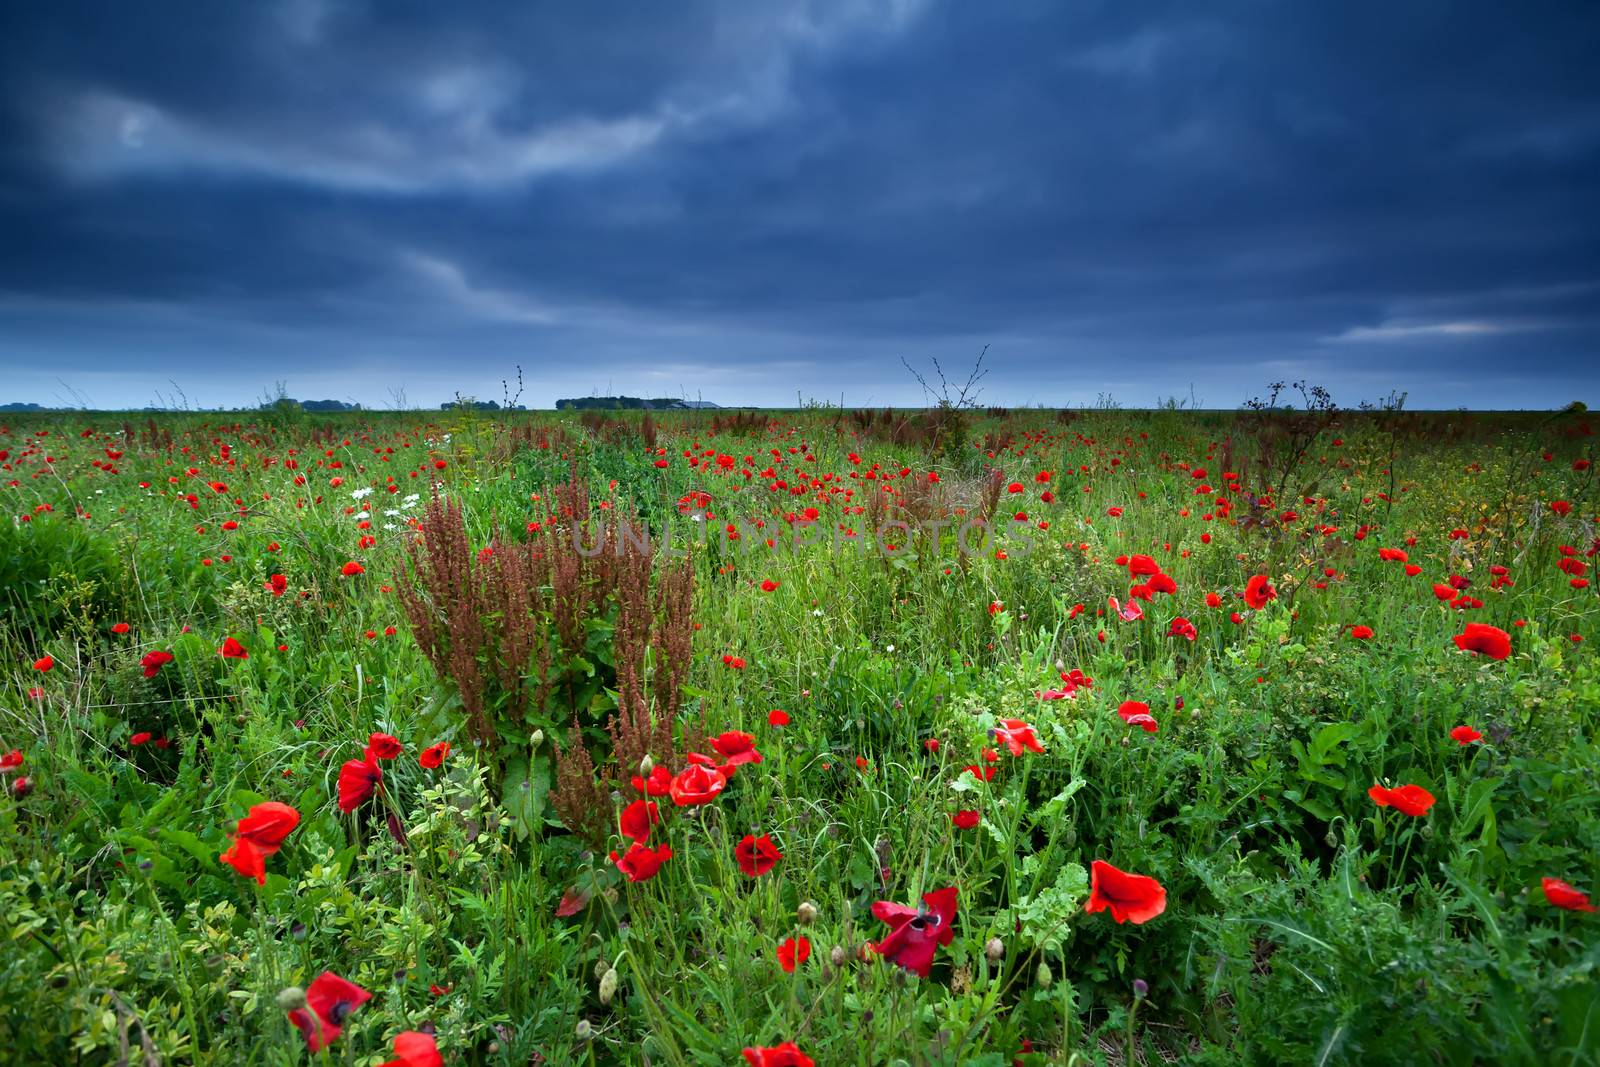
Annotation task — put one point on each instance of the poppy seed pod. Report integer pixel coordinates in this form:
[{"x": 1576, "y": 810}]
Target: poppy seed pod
[{"x": 291, "y": 998}]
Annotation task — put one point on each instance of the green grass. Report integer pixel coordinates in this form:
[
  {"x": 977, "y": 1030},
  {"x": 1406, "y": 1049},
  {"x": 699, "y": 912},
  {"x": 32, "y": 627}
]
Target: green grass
[{"x": 1304, "y": 924}]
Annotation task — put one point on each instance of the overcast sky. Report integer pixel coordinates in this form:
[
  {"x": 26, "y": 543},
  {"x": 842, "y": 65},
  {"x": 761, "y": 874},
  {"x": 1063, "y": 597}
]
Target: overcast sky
[{"x": 747, "y": 201}]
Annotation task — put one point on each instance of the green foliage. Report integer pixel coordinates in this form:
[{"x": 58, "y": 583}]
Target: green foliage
[{"x": 1304, "y": 924}]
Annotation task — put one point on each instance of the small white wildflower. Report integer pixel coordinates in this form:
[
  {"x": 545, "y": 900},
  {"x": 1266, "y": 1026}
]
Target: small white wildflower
[{"x": 359, "y": 493}]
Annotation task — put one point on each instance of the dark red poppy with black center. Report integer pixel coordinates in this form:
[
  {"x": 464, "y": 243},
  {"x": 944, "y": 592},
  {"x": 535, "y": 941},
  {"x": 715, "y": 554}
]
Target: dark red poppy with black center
[
  {"x": 1258, "y": 591},
  {"x": 434, "y": 755},
  {"x": 329, "y": 1002},
  {"x": 915, "y": 934},
  {"x": 383, "y": 746}
]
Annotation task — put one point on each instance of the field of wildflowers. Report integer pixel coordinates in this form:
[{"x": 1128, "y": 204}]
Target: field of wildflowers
[{"x": 812, "y": 737}]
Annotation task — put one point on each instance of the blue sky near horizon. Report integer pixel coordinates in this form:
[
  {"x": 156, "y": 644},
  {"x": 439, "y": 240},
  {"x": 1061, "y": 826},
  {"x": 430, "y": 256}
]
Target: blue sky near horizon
[{"x": 750, "y": 202}]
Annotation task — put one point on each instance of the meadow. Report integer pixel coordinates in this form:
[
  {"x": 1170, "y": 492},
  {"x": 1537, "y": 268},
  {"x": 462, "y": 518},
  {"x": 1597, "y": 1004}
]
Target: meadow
[{"x": 807, "y": 737}]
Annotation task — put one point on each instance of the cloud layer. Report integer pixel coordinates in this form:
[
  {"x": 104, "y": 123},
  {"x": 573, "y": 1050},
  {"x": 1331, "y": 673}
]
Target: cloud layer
[{"x": 747, "y": 201}]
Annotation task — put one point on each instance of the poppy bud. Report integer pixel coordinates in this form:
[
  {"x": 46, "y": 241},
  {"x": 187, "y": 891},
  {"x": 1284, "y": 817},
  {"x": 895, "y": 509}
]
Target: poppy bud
[
  {"x": 292, "y": 998},
  {"x": 646, "y": 765},
  {"x": 21, "y": 787},
  {"x": 493, "y": 1048},
  {"x": 584, "y": 1030},
  {"x": 537, "y": 739},
  {"x": 601, "y": 967},
  {"x": 837, "y": 956},
  {"x": 1042, "y": 976},
  {"x": 995, "y": 949},
  {"x": 608, "y": 985},
  {"x": 806, "y": 913},
  {"x": 1069, "y": 837},
  {"x": 1141, "y": 988}
]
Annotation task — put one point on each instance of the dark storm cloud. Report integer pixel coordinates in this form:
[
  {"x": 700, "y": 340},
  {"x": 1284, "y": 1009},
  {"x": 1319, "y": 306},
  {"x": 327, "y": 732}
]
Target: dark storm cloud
[{"x": 744, "y": 200}]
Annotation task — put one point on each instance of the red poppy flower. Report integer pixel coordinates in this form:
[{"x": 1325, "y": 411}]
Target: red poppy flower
[
  {"x": 792, "y": 952},
  {"x": 247, "y": 859},
  {"x": 964, "y": 820},
  {"x": 1565, "y": 896},
  {"x": 697, "y": 784},
  {"x": 267, "y": 824},
  {"x": 787, "y": 1054},
  {"x": 1135, "y": 898},
  {"x": 358, "y": 780},
  {"x": 1465, "y": 735},
  {"x": 152, "y": 662},
  {"x": 1393, "y": 555},
  {"x": 1361, "y": 633},
  {"x": 1484, "y": 639},
  {"x": 1017, "y": 735},
  {"x": 140, "y": 738},
  {"x": 1213, "y": 600},
  {"x": 1258, "y": 591},
  {"x": 1182, "y": 627},
  {"x": 329, "y": 1002},
  {"x": 636, "y": 820},
  {"x": 1137, "y": 713},
  {"x": 756, "y": 855},
  {"x": 412, "y": 1048},
  {"x": 640, "y": 863},
  {"x": 768, "y": 586},
  {"x": 11, "y": 760},
  {"x": 232, "y": 649},
  {"x": 278, "y": 584},
  {"x": 777, "y": 717},
  {"x": 383, "y": 746},
  {"x": 1142, "y": 566},
  {"x": 434, "y": 755},
  {"x": 736, "y": 747},
  {"x": 120, "y": 628},
  {"x": 1410, "y": 800},
  {"x": 44, "y": 664},
  {"x": 659, "y": 784},
  {"x": 351, "y": 569},
  {"x": 915, "y": 934}
]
